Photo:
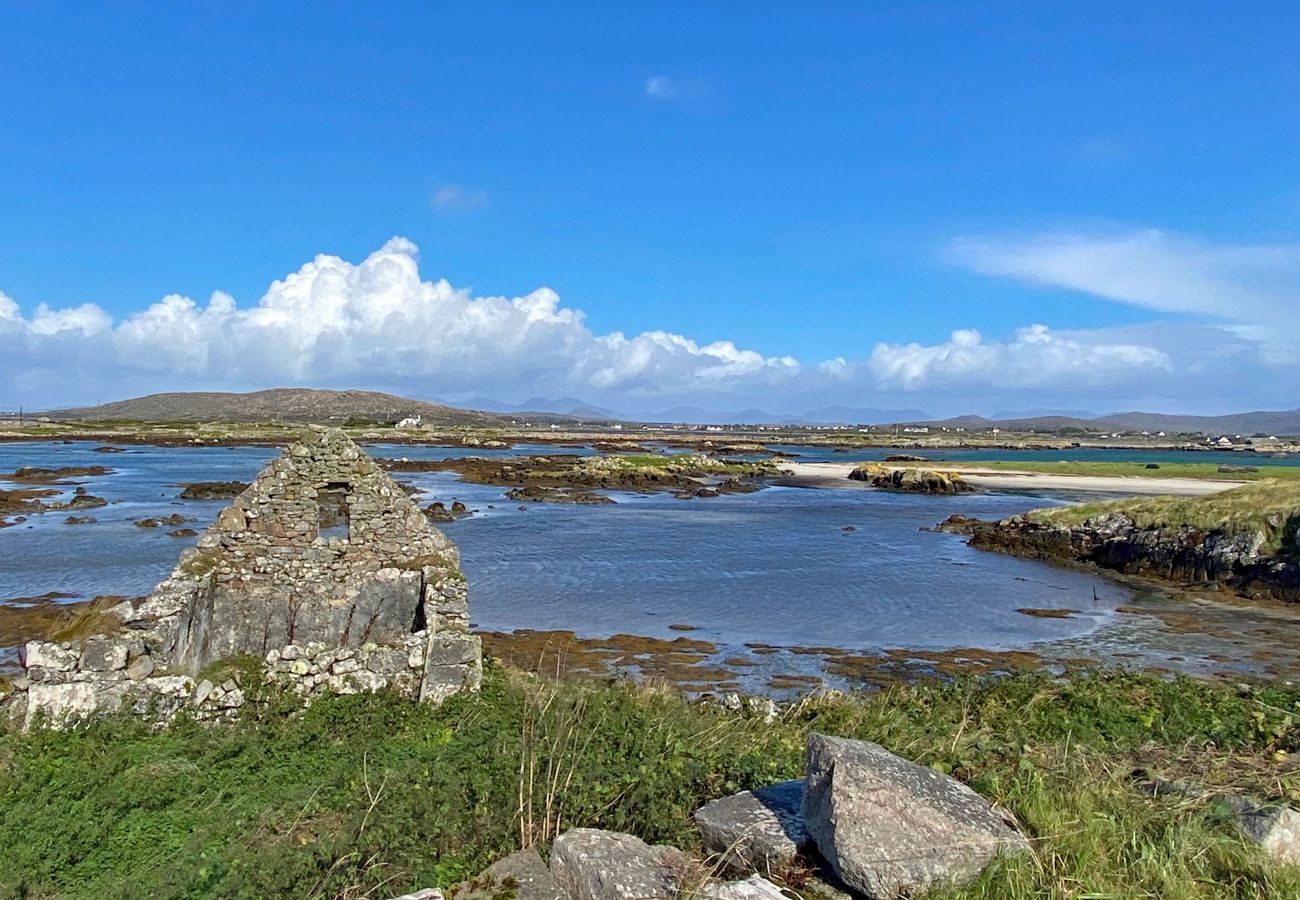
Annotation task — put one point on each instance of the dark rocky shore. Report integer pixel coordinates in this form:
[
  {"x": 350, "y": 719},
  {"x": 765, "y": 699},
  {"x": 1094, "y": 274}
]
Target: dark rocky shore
[{"x": 1251, "y": 562}]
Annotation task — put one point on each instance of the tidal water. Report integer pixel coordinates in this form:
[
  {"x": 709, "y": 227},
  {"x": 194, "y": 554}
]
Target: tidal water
[{"x": 774, "y": 566}]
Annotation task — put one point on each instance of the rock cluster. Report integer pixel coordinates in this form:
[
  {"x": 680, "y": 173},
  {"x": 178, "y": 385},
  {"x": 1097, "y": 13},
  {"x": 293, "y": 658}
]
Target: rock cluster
[
  {"x": 921, "y": 481},
  {"x": 875, "y": 824},
  {"x": 323, "y": 568},
  {"x": 882, "y": 826}
]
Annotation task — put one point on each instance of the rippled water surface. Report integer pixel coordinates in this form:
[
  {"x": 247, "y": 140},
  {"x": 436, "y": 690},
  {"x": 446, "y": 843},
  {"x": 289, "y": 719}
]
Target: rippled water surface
[{"x": 774, "y": 566}]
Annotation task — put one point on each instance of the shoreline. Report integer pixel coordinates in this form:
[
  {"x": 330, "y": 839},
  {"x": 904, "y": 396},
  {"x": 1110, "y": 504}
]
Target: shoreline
[
  {"x": 278, "y": 434},
  {"x": 836, "y": 475}
]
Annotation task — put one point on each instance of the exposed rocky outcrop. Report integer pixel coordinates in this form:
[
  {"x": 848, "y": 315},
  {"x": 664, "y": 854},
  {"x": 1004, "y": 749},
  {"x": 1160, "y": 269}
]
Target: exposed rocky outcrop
[
  {"x": 921, "y": 481},
  {"x": 537, "y": 474},
  {"x": 212, "y": 490},
  {"x": 33, "y": 501},
  {"x": 890, "y": 828},
  {"x": 535, "y": 494},
  {"x": 322, "y": 551},
  {"x": 173, "y": 519},
  {"x": 437, "y": 511},
  {"x": 1245, "y": 560},
  {"x": 60, "y": 475}
]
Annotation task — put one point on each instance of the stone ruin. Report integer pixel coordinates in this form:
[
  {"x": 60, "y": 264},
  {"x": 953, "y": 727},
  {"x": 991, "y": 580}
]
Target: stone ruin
[{"x": 323, "y": 569}]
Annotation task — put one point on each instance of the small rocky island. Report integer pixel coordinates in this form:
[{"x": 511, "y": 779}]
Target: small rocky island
[
  {"x": 569, "y": 478},
  {"x": 323, "y": 574},
  {"x": 1243, "y": 540},
  {"x": 914, "y": 480}
]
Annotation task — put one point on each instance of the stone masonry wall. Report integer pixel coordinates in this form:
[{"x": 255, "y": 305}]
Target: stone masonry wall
[{"x": 384, "y": 605}]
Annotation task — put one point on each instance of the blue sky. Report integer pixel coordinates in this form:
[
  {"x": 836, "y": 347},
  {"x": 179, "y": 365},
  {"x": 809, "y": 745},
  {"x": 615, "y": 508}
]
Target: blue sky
[{"x": 773, "y": 207}]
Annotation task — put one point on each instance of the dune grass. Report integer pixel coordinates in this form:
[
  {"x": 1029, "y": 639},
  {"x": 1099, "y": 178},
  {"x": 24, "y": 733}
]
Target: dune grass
[
  {"x": 1270, "y": 507},
  {"x": 372, "y": 796},
  {"x": 1126, "y": 469}
]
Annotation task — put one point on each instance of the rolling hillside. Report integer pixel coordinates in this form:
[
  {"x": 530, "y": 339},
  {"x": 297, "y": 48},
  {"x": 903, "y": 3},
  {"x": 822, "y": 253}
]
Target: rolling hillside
[{"x": 277, "y": 405}]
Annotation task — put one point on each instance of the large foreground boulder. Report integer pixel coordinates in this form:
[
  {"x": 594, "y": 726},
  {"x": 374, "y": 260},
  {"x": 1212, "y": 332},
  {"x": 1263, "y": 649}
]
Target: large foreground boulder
[
  {"x": 761, "y": 829},
  {"x": 890, "y": 828},
  {"x": 590, "y": 864}
]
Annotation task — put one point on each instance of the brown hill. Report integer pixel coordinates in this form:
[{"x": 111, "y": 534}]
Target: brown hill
[{"x": 277, "y": 405}]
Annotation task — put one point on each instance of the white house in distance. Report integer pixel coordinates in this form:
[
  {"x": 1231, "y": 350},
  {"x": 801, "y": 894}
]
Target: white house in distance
[{"x": 409, "y": 422}]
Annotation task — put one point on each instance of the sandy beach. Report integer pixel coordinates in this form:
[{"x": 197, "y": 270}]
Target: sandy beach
[{"x": 836, "y": 474}]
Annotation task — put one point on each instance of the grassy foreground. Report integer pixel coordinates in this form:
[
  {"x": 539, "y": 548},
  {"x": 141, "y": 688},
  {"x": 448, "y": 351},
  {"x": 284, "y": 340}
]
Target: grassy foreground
[
  {"x": 1135, "y": 469},
  {"x": 369, "y": 796}
]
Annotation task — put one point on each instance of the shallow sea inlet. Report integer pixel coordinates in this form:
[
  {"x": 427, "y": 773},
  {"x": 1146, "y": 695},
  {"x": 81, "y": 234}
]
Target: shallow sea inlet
[{"x": 784, "y": 567}]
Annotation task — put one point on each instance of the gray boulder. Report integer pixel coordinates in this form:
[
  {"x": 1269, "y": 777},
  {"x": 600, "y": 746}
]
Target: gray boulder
[
  {"x": 590, "y": 864},
  {"x": 761, "y": 829},
  {"x": 522, "y": 872},
  {"x": 889, "y": 827},
  {"x": 1276, "y": 829}
]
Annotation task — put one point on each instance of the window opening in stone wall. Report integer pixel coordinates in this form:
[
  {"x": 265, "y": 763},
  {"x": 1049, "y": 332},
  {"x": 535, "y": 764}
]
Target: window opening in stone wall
[{"x": 332, "y": 512}]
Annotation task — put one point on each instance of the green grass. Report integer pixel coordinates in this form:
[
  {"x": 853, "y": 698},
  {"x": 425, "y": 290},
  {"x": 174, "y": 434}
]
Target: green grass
[
  {"x": 649, "y": 459},
  {"x": 371, "y": 796},
  {"x": 1271, "y": 507},
  {"x": 694, "y": 461},
  {"x": 1121, "y": 469}
]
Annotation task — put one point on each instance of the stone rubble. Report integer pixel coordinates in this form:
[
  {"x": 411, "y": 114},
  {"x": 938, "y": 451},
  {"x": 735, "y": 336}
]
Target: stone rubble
[
  {"x": 379, "y": 604},
  {"x": 889, "y": 827},
  {"x": 1274, "y": 828}
]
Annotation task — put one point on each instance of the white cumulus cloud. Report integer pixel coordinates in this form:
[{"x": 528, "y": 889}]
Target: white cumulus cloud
[
  {"x": 1035, "y": 356},
  {"x": 379, "y": 324},
  {"x": 335, "y": 322}
]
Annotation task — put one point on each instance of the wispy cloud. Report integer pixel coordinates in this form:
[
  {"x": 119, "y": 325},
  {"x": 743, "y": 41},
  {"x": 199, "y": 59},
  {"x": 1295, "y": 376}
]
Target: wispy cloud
[
  {"x": 1101, "y": 149},
  {"x": 458, "y": 198},
  {"x": 660, "y": 87},
  {"x": 1252, "y": 290},
  {"x": 668, "y": 89}
]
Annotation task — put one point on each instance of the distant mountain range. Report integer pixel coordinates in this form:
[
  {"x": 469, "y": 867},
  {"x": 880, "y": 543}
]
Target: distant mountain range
[
  {"x": 827, "y": 415},
  {"x": 695, "y": 415},
  {"x": 564, "y": 406},
  {"x": 1285, "y": 422},
  {"x": 308, "y": 405}
]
